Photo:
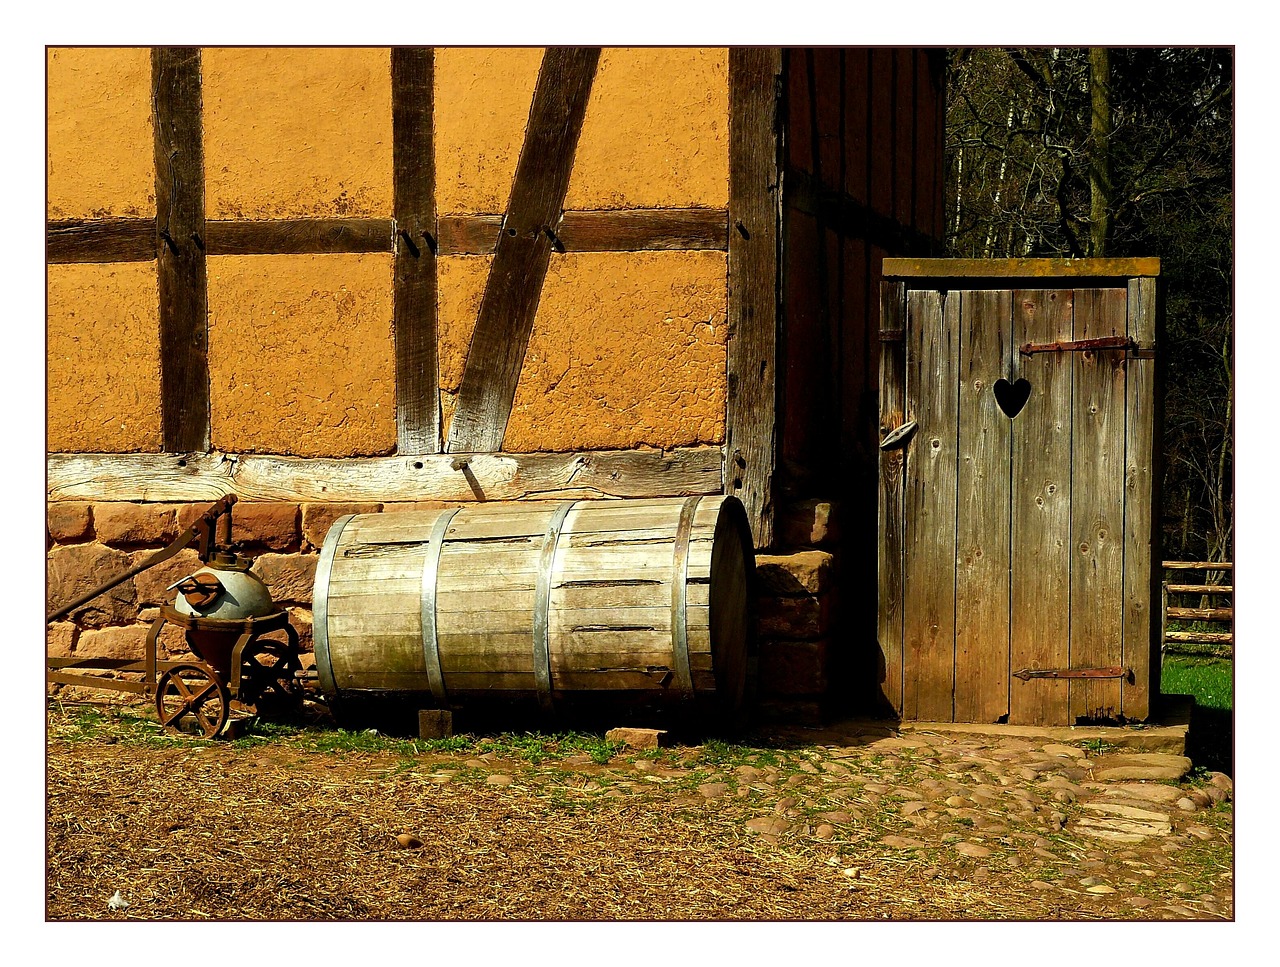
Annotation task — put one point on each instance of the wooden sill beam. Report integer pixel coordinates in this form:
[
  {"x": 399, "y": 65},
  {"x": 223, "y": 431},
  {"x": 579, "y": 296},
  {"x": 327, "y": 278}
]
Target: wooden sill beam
[{"x": 195, "y": 477}]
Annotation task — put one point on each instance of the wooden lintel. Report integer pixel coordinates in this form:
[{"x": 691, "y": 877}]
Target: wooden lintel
[
  {"x": 195, "y": 477},
  {"x": 897, "y": 268}
]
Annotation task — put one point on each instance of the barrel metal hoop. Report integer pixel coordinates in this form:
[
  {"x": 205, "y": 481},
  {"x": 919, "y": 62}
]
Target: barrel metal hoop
[
  {"x": 320, "y": 630},
  {"x": 542, "y": 607},
  {"x": 679, "y": 598},
  {"x": 430, "y": 575}
]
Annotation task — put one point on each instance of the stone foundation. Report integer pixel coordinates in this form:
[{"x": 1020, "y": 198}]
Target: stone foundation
[{"x": 796, "y": 612}]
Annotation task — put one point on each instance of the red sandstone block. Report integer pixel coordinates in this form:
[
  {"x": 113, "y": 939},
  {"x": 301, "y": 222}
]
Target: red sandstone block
[
  {"x": 119, "y": 524},
  {"x": 810, "y": 523},
  {"x": 60, "y": 639},
  {"x": 75, "y": 570},
  {"x": 302, "y": 623},
  {"x": 128, "y": 641},
  {"x": 289, "y": 577},
  {"x": 806, "y": 572},
  {"x": 803, "y": 617},
  {"x": 69, "y": 520},
  {"x": 153, "y": 583},
  {"x": 265, "y": 524},
  {"x": 318, "y": 518},
  {"x": 793, "y": 667}
]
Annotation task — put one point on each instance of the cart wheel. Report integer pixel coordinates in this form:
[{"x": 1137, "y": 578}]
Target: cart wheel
[
  {"x": 194, "y": 690},
  {"x": 268, "y": 676}
]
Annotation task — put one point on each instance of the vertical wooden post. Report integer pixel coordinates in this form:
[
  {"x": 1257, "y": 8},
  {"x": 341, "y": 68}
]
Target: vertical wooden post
[
  {"x": 416, "y": 292},
  {"x": 1141, "y": 540},
  {"x": 755, "y": 199},
  {"x": 184, "y": 313},
  {"x": 892, "y": 464}
]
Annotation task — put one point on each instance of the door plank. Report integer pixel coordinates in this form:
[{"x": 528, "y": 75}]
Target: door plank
[
  {"x": 982, "y": 509},
  {"x": 889, "y": 562},
  {"x": 1040, "y": 636},
  {"x": 1097, "y": 504},
  {"x": 1141, "y": 534},
  {"x": 930, "y": 505}
]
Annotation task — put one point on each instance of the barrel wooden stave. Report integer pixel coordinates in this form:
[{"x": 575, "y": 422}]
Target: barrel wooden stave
[{"x": 612, "y": 600}]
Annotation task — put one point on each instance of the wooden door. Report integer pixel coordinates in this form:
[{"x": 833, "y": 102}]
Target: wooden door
[{"x": 1016, "y": 520}]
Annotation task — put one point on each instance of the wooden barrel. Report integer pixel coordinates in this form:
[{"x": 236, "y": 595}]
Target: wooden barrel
[{"x": 616, "y": 599}]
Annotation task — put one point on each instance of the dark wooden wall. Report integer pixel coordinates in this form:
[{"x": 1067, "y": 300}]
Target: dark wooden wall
[{"x": 862, "y": 180}]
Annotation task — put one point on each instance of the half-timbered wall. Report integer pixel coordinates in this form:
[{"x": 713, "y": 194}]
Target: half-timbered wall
[{"x": 344, "y": 279}]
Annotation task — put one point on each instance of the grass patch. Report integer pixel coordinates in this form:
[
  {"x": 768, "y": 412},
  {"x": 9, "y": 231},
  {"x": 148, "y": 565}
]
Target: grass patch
[{"x": 1208, "y": 679}]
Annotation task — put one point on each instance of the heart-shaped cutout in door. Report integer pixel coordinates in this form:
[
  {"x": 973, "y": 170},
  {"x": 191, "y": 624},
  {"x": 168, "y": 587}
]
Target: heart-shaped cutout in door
[{"x": 1012, "y": 397}]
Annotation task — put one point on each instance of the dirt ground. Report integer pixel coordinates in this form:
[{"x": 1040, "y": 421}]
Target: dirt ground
[{"x": 827, "y": 825}]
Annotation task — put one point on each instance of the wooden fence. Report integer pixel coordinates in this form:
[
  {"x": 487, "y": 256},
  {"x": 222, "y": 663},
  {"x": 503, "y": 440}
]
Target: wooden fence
[{"x": 1214, "y": 605}]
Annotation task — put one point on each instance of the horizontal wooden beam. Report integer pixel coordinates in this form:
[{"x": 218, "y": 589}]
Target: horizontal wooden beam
[
  {"x": 109, "y": 240},
  {"x": 1021, "y": 268},
  {"x": 197, "y": 477},
  {"x": 1200, "y": 614},
  {"x": 630, "y": 230},
  {"x": 1197, "y": 565},
  {"x": 300, "y": 236},
  {"x": 1201, "y": 637}
]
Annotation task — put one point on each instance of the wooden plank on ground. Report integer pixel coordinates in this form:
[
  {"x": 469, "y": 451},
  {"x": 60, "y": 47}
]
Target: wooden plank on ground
[
  {"x": 180, "y": 231},
  {"x": 933, "y": 327},
  {"x": 1141, "y": 527},
  {"x": 982, "y": 509},
  {"x": 1097, "y": 504},
  {"x": 890, "y": 543},
  {"x": 523, "y": 252},
  {"x": 754, "y": 218},
  {"x": 1040, "y": 537},
  {"x": 193, "y": 477}
]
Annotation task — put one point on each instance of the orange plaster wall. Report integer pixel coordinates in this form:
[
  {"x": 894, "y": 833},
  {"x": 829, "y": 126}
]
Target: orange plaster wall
[
  {"x": 297, "y": 133},
  {"x": 101, "y": 150},
  {"x": 482, "y": 98},
  {"x": 656, "y": 133},
  {"x": 103, "y": 358},
  {"x": 627, "y": 350},
  {"x": 301, "y": 354}
]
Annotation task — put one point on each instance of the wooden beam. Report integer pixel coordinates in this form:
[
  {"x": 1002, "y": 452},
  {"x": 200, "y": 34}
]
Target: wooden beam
[
  {"x": 520, "y": 259},
  {"x": 754, "y": 291},
  {"x": 110, "y": 240},
  {"x": 1021, "y": 268},
  {"x": 416, "y": 292},
  {"x": 623, "y": 230},
  {"x": 300, "y": 236},
  {"x": 180, "y": 230},
  {"x": 195, "y": 477}
]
